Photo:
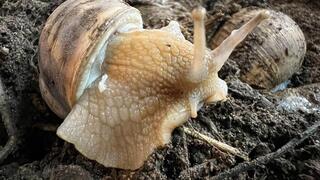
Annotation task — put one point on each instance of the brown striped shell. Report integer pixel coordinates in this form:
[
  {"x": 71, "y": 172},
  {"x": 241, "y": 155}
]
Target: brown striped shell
[
  {"x": 71, "y": 43},
  {"x": 275, "y": 49}
]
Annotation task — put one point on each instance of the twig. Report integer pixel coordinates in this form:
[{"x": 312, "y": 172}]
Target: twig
[
  {"x": 245, "y": 166},
  {"x": 8, "y": 124},
  {"x": 220, "y": 145}
]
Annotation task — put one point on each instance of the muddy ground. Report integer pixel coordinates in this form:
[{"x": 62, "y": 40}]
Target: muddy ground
[{"x": 250, "y": 120}]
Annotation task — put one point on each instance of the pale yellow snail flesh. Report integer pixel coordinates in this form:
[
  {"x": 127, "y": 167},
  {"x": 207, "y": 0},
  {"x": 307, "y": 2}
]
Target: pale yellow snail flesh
[{"x": 150, "y": 81}]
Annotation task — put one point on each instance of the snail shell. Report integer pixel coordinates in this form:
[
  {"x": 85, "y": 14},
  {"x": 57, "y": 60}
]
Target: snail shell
[
  {"x": 275, "y": 49},
  {"x": 76, "y": 35}
]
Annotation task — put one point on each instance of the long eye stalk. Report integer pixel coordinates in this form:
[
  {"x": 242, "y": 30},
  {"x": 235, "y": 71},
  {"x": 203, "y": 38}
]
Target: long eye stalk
[
  {"x": 198, "y": 69},
  {"x": 223, "y": 51}
]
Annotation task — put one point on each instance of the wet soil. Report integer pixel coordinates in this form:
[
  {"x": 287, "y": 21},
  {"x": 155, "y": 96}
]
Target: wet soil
[{"x": 249, "y": 120}]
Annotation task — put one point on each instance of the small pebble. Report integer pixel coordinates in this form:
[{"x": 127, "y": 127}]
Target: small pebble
[
  {"x": 5, "y": 51},
  {"x": 295, "y": 103}
]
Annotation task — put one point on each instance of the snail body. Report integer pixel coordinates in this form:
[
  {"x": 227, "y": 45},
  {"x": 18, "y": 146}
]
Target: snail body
[
  {"x": 276, "y": 48},
  {"x": 123, "y": 89}
]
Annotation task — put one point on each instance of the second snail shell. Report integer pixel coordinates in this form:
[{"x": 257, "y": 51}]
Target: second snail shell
[{"x": 275, "y": 49}]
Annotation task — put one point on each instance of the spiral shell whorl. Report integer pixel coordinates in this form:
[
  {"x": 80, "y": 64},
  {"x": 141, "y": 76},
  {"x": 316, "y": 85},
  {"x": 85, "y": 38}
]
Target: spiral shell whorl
[{"x": 76, "y": 35}]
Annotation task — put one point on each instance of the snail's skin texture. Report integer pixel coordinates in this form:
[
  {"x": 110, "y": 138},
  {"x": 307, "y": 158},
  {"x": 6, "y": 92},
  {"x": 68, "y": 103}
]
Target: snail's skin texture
[
  {"x": 123, "y": 89},
  {"x": 276, "y": 48},
  {"x": 135, "y": 109}
]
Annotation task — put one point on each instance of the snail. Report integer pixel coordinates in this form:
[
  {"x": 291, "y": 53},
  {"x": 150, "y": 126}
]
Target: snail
[
  {"x": 122, "y": 89},
  {"x": 275, "y": 49}
]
